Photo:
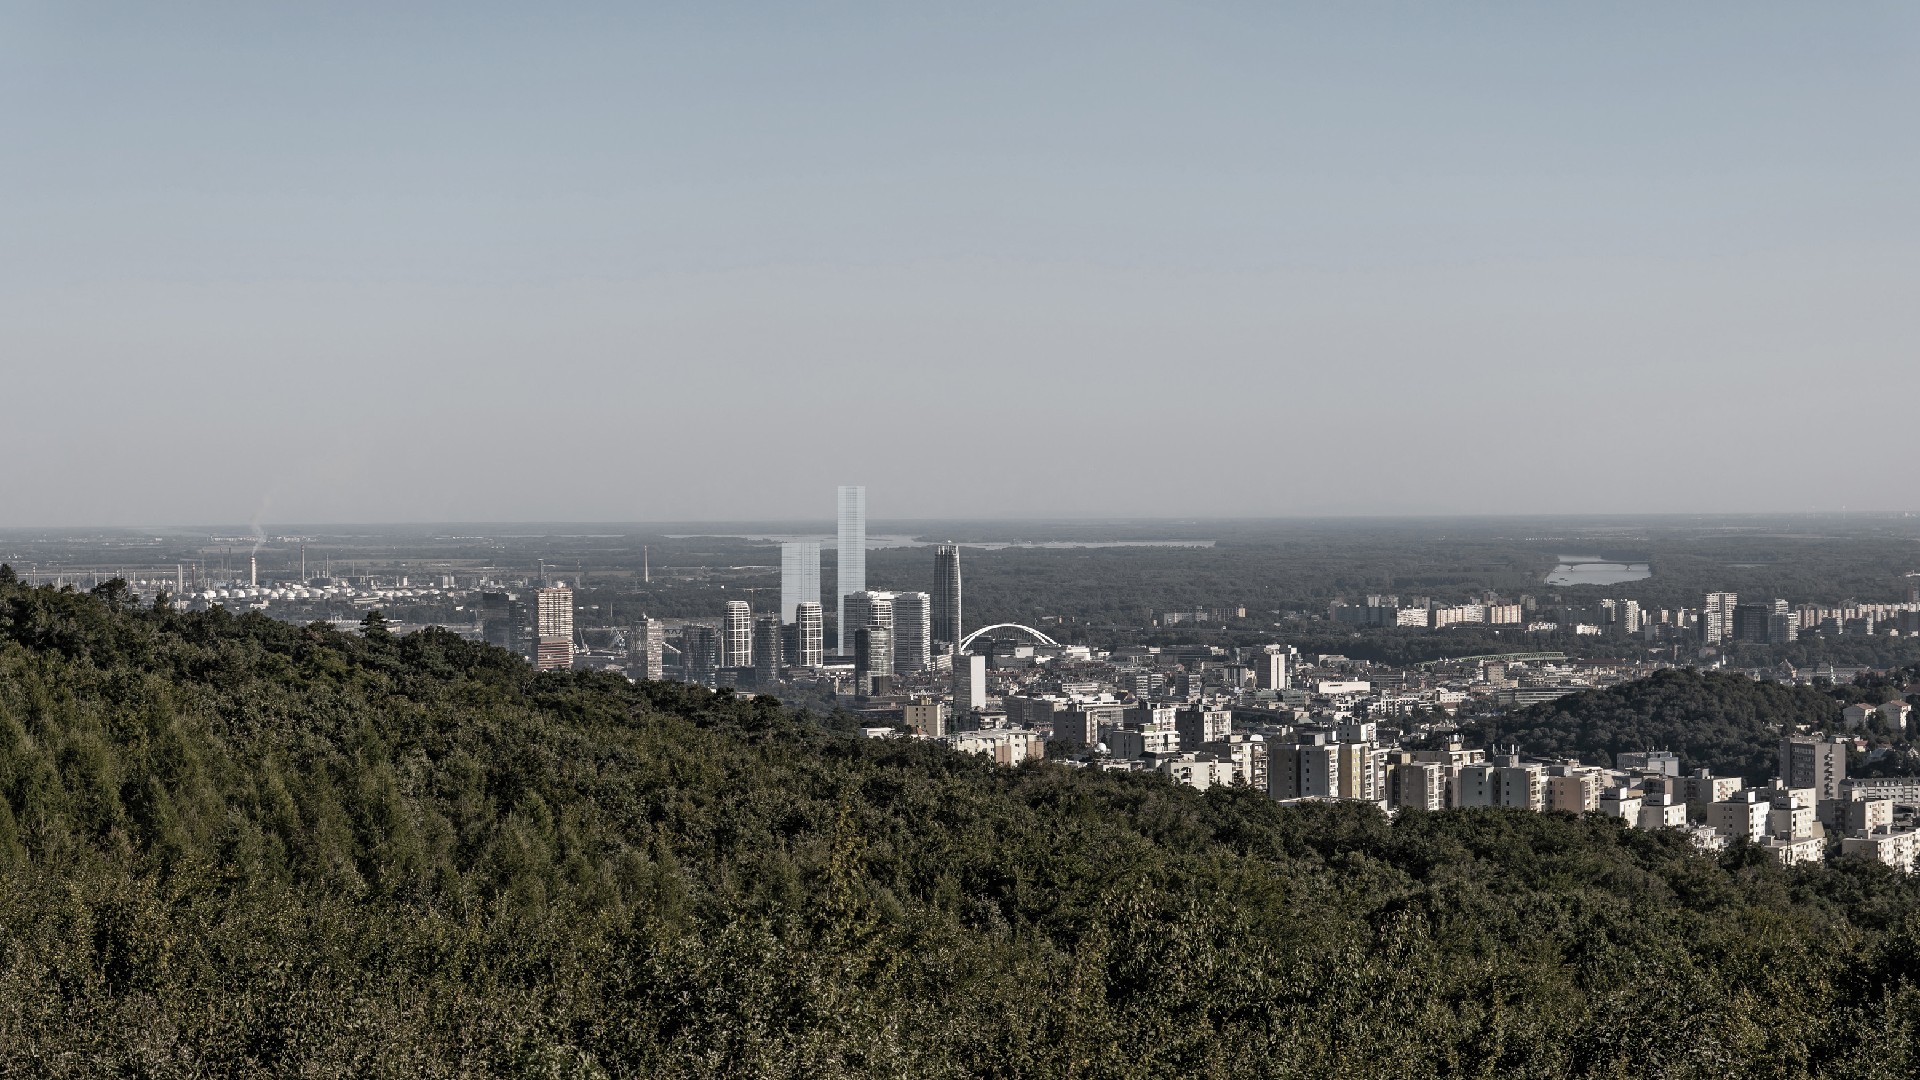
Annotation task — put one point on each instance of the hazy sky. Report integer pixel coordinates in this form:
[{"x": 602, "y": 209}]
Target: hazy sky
[{"x": 478, "y": 261}]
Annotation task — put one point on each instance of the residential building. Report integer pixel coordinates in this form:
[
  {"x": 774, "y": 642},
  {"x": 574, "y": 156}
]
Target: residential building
[
  {"x": 1270, "y": 668},
  {"x": 1886, "y": 845},
  {"x": 769, "y": 652},
  {"x": 1703, "y": 789},
  {"x": 646, "y": 650},
  {"x": 1200, "y": 723},
  {"x": 1751, "y": 622},
  {"x": 809, "y": 622},
  {"x": 926, "y": 716},
  {"x": 504, "y": 622},
  {"x": 1814, "y": 762},
  {"x": 969, "y": 682},
  {"x": 1247, "y": 752},
  {"x": 1664, "y": 762},
  {"x": 1420, "y": 784},
  {"x": 1716, "y": 617},
  {"x": 1662, "y": 810},
  {"x": 553, "y": 628},
  {"x": 912, "y": 642},
  {"x": 1627, "y": 804},
  {"x": 869, "y": 608},
  {"x": 1005, "y": 746},
  {"x": 1866, "y": 815},
  {"x": 1744, "y": 816},
  {"x": 872, "y": 660},
  {"x": 1791, "y": 851},
  {"x": 699, "y": 653},
  {"x": 1197, "y": 770},
  {"x": 736, "y": 635},
  {"x": 1574, "y": 791},
  {"x": 1520, "y": 785}
]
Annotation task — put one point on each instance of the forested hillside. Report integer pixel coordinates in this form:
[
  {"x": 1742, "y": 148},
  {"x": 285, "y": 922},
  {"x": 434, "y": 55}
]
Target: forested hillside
[
  {"x": 230, "y": 846},
  {"x": 1727, "y": 723}
]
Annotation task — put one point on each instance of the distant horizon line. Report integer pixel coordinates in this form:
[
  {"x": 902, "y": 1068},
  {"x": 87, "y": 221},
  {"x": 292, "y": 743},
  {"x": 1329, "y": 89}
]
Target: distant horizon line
[{"x": 252, "y": 530}]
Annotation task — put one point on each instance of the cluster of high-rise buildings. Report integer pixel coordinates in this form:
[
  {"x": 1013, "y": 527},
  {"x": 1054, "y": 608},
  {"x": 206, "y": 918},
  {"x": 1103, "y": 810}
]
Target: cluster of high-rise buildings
[{"x": 882, "y": 634}]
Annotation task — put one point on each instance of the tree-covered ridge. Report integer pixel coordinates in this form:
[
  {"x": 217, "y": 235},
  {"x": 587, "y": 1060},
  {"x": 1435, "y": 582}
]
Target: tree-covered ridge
[
  {"x": 237, "y": 847},
  {"x": 1727, "y": 723}
]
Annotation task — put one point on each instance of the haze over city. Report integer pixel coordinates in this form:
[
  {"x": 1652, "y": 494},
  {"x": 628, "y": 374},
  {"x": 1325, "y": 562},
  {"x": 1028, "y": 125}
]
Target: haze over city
[{"x": 614, "y": 263}]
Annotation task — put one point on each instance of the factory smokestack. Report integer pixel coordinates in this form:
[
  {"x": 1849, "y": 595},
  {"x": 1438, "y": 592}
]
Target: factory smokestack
[{"x": 253, "y": 570}]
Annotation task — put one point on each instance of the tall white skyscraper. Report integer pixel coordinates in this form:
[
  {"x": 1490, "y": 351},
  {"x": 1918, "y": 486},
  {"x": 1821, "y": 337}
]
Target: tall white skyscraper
[
  {"x": 799, "y": 576},
  {"x": 851, "y": 576}
]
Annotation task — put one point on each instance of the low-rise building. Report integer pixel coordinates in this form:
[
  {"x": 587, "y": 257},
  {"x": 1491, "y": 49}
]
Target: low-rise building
[
  {"x": 1575, "y": 791},
  {"x": 1662, "y": 810},
  {"x": 1743, "y": 817},
  {"x": 1200, "y": 771},
  {"x": 1622, "y": 802},
  {"x": 1866, "y": 815},
  {"x": 1006, "y": 746},
  {"x": 1893, "y": 847},
  {"x": 1792, "y": 852}
]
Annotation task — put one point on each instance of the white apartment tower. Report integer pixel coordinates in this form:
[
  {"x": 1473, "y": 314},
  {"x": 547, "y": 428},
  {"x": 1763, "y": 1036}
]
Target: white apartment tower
[
  {"x": 736, "y": 635},
  {"x": 809, "y": 622}
]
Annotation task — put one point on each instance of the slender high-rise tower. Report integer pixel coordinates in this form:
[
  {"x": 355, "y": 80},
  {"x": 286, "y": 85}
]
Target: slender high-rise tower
[
  {"x": 736, "y": 636},
  {"x": 809, "y": 638},
  {"x": 947, "y": 626},
  {"x": 768, "y": 652},
  {"x": 910, "y": 641},
  {"x": 850, "y": 574},
  {"x": 646, "y": 650},
  {"x": 553, "y": 629},
  {"x": 799, "y": 576}
]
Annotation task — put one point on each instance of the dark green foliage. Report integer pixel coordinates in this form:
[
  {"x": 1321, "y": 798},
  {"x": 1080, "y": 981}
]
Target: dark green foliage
[
  {"x": 230, "y": 846},
  {"x": 1727, "y": 723}
]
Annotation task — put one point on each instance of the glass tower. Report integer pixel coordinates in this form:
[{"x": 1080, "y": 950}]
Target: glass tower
[
  {"x": 851, "y": 575},
  {"x": 799, "y": 576},
  {"x": 947, "y": 627}
]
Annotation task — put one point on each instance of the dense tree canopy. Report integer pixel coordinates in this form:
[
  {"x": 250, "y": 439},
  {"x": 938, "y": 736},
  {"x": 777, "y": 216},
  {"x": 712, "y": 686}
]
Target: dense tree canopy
[
  {"x": 1713, "y": 720},
  {"x": 230, "y": 846}
]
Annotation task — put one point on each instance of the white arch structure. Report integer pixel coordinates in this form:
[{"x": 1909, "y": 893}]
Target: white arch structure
[{"x": 1036, "y": 635}]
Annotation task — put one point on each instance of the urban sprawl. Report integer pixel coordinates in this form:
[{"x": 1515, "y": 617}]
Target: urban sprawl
[{"x": 1299, "y": 727}]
